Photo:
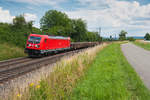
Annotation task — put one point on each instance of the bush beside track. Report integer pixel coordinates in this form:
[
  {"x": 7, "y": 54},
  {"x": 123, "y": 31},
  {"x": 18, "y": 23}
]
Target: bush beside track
[{"x": 8, "y": 51}]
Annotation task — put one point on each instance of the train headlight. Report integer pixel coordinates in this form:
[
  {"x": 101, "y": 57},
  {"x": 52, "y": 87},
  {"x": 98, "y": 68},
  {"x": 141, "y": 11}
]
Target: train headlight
[
  {"x": 28, "y": 45},
  {"x": 37, "y": 46}
]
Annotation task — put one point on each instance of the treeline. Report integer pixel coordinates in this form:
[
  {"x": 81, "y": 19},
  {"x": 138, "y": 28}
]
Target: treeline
[
  {"x": 53, "y": 23},
  {"x": 17, "y": 32},
  {"x": 58, "y": 23},
  {"x": 122, "y": 37}
]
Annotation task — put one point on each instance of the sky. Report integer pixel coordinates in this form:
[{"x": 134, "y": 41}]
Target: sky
[{"x": 112, "y": 16}]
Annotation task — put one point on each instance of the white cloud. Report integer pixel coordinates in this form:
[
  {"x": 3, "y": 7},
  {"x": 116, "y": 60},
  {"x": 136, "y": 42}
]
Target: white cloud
[
  {"x": 5, "y": 16},
  {"x": 115, "y": 15},
  {"x": 39, "y": 2},
  {"x": 93, "y": 3},
  {"x": 30, "y": 17}
]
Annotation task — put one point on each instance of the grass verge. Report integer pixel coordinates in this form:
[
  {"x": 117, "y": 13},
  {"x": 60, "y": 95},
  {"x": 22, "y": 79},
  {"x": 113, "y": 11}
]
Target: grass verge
[
  {"x": 142, "y": 45},
  {"x": 10, "y": 51},
  {"x": 110, "y": 77},
  {"x": 58, "y": 85}
]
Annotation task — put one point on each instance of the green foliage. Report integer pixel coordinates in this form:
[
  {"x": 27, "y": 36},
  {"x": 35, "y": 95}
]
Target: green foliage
[
  {"x": 54, "y": 18},
  {"x": 17, "y": 33},
  {"x": 147, "y": 36},
  {"x": 57, "y": 30},
  {"x": 19, "y": 21},
  {"x": 110, "y": 77},
  {"x": 8, "y": 51},
  {"x": 79, "y": 30},
  {"x": 131, "y": 39},
  {"x": 36, "y": 30},
  {"x": 93, "y": 36},
  {"x": 122, "y": 35},
  {"x": 57, "y": 23},
  {"x": 109, "y": 39}
]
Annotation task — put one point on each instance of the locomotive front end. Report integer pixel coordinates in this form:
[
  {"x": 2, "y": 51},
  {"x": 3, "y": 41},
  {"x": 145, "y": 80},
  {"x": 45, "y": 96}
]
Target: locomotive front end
[{"x": 33, "y": 46}]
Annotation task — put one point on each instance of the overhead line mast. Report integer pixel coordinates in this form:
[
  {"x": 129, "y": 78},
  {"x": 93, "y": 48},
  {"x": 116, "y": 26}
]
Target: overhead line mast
[{"x": 99, "y": 31}]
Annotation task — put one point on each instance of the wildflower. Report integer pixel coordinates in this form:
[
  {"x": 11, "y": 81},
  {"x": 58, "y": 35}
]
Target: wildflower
[
  {"x": 38, "y": 86},
  {"x": 18, "y": 95},
  {"x": 32, "y": 84}
]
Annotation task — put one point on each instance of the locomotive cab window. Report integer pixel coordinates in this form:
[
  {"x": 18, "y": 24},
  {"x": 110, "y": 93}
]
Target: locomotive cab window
[{"x": 34, "y": 39}]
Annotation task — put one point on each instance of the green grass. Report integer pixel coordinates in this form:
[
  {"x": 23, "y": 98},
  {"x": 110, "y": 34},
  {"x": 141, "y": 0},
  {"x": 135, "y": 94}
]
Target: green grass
[
  {"x": 10, "y": 51},
  {"x": 110, "y": 77},
  {"x": 143, "y": 45}
]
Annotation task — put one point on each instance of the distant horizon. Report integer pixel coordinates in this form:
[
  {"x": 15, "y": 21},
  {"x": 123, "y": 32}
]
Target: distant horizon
[{"x": 137, "y": 37}]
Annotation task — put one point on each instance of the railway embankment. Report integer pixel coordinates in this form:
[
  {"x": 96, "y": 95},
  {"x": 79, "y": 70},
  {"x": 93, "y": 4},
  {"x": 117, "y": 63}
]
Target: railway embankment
[{"x": 64, "y": 73}]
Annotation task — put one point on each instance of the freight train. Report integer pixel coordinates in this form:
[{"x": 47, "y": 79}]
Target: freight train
[{"x": 39, "y": 45}]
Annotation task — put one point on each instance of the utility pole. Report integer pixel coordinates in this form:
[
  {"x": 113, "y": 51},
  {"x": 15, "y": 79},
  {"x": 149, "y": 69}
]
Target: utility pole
[{"x": 99, "y": 31}]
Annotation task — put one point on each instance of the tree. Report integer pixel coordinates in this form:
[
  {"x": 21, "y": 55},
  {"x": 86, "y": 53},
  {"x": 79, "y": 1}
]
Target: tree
[
  {"x": 30, "y": 25},
  {"x": 79, "y": 30},
  {"x": 92, "y": 36},
  {"x": 57, "y": 30},
  {"x": 122, "y": 35},
  {"x": 19, "y": 21},
  {"x": 147, "y": 36},
  {"x": 19, "y": 31},
  {"x": 111, "y": 38},
  {"x": 54, "y": 18}
]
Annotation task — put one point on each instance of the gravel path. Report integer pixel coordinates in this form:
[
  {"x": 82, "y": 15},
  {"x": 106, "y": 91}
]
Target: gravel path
[{"x": 139, "y": 59}]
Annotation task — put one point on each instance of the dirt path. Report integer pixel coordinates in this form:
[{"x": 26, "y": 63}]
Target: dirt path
[{"x": 139, "y": 59}]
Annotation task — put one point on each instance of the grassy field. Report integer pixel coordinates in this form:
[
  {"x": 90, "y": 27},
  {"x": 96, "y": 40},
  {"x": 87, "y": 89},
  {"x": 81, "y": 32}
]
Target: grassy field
[
  {"x": 142, "y": 44},
  {"x": 9, "y": 51},
  {"x": 110, "y": 77}
]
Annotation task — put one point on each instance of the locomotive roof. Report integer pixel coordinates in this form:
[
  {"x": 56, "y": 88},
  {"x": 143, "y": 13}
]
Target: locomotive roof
[
  {"x": 37, "y": 35},
  {"x": 57, "y": 37},
  {"x": 52, "y": 37}
]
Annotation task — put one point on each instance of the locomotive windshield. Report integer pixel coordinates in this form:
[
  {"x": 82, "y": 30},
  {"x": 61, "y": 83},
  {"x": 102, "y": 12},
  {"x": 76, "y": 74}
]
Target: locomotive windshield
[{"x": 34, "y": 39}]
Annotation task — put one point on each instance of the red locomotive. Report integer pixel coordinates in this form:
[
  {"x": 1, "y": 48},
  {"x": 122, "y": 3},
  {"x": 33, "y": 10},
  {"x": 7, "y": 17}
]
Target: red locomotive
[
  {"x": 44, "y": 44},
  {"x": 38, "y": 45}
]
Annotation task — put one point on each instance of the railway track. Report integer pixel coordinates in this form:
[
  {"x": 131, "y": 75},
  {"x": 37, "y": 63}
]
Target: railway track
[
  {"x": 13, "y": 68},
  {"x": 11, "y": 61},
  {"x": 8, "y": 64}
]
